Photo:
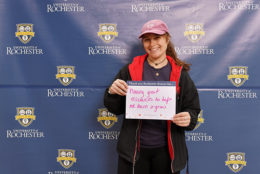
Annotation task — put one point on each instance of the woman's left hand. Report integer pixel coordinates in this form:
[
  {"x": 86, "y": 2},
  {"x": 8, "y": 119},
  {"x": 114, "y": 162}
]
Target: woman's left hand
[{"x": 182, "y": 119}]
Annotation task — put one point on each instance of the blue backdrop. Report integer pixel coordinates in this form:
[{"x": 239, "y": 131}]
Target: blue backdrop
[{"x": 58, "y": 56}]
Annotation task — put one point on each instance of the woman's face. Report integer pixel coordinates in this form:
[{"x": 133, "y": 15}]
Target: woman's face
[{"x": 155, "y": 45}]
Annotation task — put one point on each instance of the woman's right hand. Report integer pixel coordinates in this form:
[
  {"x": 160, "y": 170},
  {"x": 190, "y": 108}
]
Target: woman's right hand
[{"x": 118, "y": 87}]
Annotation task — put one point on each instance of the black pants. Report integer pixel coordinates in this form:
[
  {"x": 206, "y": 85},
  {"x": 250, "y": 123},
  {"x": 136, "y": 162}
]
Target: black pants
[{"x": 151, "y": 161}]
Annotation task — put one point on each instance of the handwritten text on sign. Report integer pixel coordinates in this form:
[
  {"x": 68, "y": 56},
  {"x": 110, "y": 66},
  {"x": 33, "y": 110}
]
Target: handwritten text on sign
[{"x": 155, "y": 100}]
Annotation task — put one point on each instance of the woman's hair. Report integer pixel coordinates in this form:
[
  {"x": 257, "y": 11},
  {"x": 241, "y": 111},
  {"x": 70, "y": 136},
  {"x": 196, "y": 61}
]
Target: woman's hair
[{"x": 171, "y": 52}]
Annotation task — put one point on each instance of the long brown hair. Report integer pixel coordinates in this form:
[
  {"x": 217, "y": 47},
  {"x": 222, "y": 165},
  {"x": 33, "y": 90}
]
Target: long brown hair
[{"x": 171, "y": 52}]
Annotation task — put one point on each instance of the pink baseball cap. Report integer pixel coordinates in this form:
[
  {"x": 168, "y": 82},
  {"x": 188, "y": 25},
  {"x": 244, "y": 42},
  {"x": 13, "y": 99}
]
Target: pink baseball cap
[{"x": 154, "y": 26}]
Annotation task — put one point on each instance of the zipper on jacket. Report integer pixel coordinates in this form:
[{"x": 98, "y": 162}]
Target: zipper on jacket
[
  {"x": 179, "y": 80},
  {"x": 170, "y": 126},
  {"x": 172, "y": 149},
  {"x": 137, "y": 139}
]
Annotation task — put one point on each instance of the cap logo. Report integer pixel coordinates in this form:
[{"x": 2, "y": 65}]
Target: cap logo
[{"x": 150, "y": 25}]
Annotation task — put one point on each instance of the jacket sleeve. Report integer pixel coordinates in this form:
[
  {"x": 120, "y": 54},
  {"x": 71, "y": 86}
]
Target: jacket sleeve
[
  {"x": 189, "y": 99},
  {"x": 113, "y": 102}
]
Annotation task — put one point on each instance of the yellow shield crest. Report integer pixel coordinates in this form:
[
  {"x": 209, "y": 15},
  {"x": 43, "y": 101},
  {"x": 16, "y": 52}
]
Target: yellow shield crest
[
  {"x": 66, "y": 157},
  {"x": 24, "y": 32},
  {"x": 25, "y": 115},
  {"x": 65, "y": 74},
  {"x": 106, "y": 118},
  {"x": 200, "y": 120},
  {"x": 107, "y": 32},
  {"x": 238, "y": 75},
  {"x": 235, "y": 161},
  {"x": 194, "y": 32}
]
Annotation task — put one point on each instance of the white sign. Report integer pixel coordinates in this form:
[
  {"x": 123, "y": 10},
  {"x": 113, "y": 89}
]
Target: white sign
[{"x": 154, "y": 100}]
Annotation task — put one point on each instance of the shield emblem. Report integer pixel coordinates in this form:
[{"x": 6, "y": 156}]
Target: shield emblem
[
  {"x": 107, "y": 32},
  {"x": 235, "y": 161},
  {"x": 24, "y": 32},
  {"x": 65, "y": 74},
  {"x": 106, "y": 118},
  {"x": 194, "y": 32},
  {"x": 238, "y": 75},
  {"x": 200, "y": 120},
  {"x": 25, "y": 116},
  {"x": 66, "y": 157}
]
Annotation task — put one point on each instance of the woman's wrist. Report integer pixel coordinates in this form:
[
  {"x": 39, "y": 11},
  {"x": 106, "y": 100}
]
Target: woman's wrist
[{"x": 108, "y": 91}]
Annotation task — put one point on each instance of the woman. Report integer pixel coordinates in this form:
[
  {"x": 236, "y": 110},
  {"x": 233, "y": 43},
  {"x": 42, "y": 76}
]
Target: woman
[{"x": 152, "y": 146}]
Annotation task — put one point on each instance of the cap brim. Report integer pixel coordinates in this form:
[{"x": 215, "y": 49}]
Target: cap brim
[{"x": 160, "y": 32}]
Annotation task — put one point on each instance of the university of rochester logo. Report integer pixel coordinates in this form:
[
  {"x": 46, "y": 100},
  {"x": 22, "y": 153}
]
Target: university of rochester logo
[
  {"x": 200, "y": 120},
  {"x": 194, "y": 32},
  {"x": 65, "y": 74},
  {"x": 66, "y": 157},
  {"x": 106, "y": 118},
  {"x": 235, "y": 161},
  {"x": 238, "y": 75},
  {"x": 107, "y": 32},
  {"x": 25, "y": 115},
  {"x": 24, "y": 32}
]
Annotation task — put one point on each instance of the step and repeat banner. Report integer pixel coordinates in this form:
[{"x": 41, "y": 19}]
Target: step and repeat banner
[{"x": 58, "y": 56}]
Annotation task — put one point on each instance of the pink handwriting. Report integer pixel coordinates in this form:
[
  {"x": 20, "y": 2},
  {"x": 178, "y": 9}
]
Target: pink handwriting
[
  {"x": 156, "y": 107},
  {"x": 166, "y": 99},
  {"x": 157, "y": 99},
  {"x": 142, "y": 106},
  {"x": 141, "y": 99},
  {"x": 153, "y": 92},
  {"x": 132, "y": 106},
  {"x": 133, "y": 91}
]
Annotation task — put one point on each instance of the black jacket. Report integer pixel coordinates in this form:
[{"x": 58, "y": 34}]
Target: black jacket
[{"x": 187, "y": 101}]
